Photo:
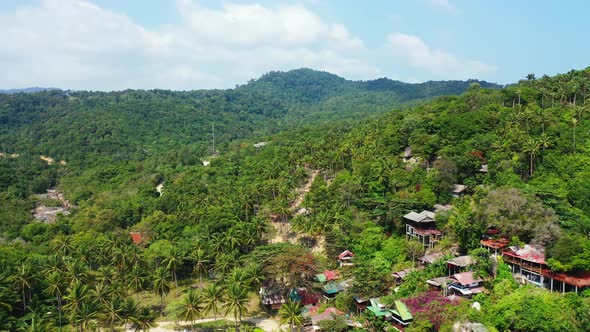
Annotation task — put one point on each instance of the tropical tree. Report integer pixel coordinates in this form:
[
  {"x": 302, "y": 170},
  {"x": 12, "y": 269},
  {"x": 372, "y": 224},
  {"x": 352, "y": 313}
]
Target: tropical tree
[
  {"x": 236, "y": 300},
  {"x": 161, "y": 284},
  {"x": 213, "y": 296},
  {"x": 24, "y": 279},
  {"x": 86, "y": 314},
  {"x": 532, "y": 147},
  {"x": 144, "y": 319},
  {"x": 55, "y": 287},
  {"x": 113, "y": 312},
  {"x": 136, "y": 279},
  {"x": 201, "y": 261},
  {"x": 173, "y": 261},
  {"x": 191, "y": 307},
  {"x": 290, "y": 313},
  {"x": 76, "y": 295}
]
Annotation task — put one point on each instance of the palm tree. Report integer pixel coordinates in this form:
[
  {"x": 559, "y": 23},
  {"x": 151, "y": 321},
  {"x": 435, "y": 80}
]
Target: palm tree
[
  {"x": 86, "y": 314},
  {"x": 224, "y": 264},
  {"x": 532, "y": 148},
  {"x": 136, "y": 279},
  {"x": 100, "y": 293},
  {"x": 191, "y": 307},
  {"x": 113, "y": 312},
  {"x": 290, "y": 313},
  {"x": 76, "y": 271},
  {"x": 61, "y": 244},
  {"x": 130, "y": 310},
  {"x": 236, "y": 300},
  {"x": 105, "y": 274},
  {"x": 172, "y": 262},
  {"x": 23, "y": 280},
  {"x": 212, "y": 296},
  {"x": 545, "y": 141},
  {"x": 200, "y": 259},
  {"x": 255, "y": 275},
  {"x": 55, "y": 287},
  {"x": 161, "y": 284},
  {"x": 5, "y": 297},
  {"x": 238, "y": 277},
  {"x": 144, "y": 319},
  {"x": 77, "y": 294}
]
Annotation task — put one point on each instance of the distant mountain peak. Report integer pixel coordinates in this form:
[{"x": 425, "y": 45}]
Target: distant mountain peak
[{"x": 28, "y": 90}]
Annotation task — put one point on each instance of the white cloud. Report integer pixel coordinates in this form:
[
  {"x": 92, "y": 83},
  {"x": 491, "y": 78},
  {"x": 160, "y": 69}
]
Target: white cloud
[
  {"x": 444, "y": 5},
  {"x": 76, "y": 44},
  {"x": 414, "y": 52}
]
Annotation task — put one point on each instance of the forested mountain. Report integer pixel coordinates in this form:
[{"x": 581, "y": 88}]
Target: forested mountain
[
  {"x": 82, "y": 126},
  {"x": 217, "y": 228},
  {"x": 27, "y": 90}
]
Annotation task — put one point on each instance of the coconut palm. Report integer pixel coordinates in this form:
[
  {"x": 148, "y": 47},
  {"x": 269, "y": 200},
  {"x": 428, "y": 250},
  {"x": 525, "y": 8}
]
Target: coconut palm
[
  {"x": 172, "y": 261},
  {"x": 236, "y": 300},
  {"x": 55, "y": 287},
  {"x": 239, "y": 277},
  {"x": 86, "y": 314},
  {"x": 161, "y": 284},
  {"x": 201, "y": 260},
  {"x": 136, "y": 279},
  {"x": 23, "y": 280},
  {"x": 76, "y": 271},
  {"x": 77, "y": 293},
  {"x": 290, "y": 313},
  {"x": 144, "y": 319},
  {"x": 192, "y": 305},
  {"x": 532, "y": 147},
  {"x": 106, "y": 274},
  {"x": 113, "y": 312},
  {"x": 212, "y": 297}
]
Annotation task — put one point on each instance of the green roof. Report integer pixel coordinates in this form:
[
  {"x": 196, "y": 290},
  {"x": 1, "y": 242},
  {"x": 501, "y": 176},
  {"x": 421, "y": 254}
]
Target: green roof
[
  {"x": 321, "y": 277},
  {"x": 331, "y": 288},
  {"x": 403, "y": 311}
]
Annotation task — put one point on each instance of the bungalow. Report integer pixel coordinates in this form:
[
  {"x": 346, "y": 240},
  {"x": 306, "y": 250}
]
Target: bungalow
[
  {"x": 529, "y": 263},
  {"x": 495, "y": 246},
  {"x": 459, "y": 264},
  {"x": 399, "y": 313},
  {"x": 440, "y": 283},
  {"x": 304, "y": 297},
  {"x": 431, "y": 258},
  {"x": 422, "y": 227},
  {"x": 459, "y": 190},
  {"x": 466, "y": 284},
  {"x": 345, "y": 258},
  {"x": 327, "y": 276},
  {"x": 271, "y": 298}
]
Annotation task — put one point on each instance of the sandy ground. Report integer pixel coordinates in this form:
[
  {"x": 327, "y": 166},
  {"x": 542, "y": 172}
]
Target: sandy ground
[
  {"x": 267, "y": 324},
  {"x": 284, "y": 233}
]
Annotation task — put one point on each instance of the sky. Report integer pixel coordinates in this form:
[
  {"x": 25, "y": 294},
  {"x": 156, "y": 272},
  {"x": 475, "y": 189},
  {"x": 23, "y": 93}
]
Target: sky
[{"x": 204, "y": 44}]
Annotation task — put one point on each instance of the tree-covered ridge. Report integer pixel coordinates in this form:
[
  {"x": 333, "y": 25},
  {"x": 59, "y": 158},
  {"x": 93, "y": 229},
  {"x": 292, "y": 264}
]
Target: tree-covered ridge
[{"x": 82, "y": 126}]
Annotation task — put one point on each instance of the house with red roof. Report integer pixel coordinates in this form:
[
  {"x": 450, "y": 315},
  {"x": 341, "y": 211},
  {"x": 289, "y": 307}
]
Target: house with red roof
[
  {"x": 345, "y": 258},
  {"x": 529, "y": 264}
]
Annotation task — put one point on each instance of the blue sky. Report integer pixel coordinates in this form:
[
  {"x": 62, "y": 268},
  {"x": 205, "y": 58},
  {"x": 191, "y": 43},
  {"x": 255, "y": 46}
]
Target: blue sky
[{"x": 194, "y": 44}]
